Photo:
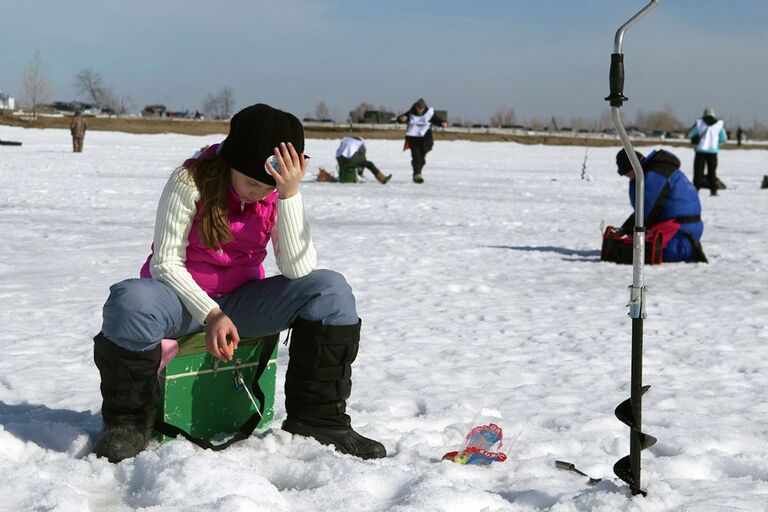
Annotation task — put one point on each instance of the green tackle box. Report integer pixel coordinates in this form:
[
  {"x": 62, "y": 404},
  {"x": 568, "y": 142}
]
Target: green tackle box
[{"x": 202, "y": 395}]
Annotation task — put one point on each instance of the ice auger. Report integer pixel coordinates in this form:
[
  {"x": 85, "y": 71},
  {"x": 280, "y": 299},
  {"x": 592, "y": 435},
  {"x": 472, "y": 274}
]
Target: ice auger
[{"x": 630, "y": 410}]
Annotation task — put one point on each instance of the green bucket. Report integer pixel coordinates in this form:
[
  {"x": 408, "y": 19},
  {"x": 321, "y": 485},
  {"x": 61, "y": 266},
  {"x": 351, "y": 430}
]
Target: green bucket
[{"x": 348, "y": 175}]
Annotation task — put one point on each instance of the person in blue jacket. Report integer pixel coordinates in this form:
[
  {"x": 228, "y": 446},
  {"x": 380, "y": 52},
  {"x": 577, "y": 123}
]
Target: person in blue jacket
[
  {"x": 707, "y": 134},
  {"x": 671, "y": 203}
]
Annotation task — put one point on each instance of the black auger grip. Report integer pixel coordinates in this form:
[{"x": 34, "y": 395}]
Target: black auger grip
[{"x": 616, "y": 80}]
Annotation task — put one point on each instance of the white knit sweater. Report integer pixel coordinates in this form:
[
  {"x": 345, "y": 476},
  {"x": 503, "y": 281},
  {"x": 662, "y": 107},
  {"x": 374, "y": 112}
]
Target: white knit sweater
[{"x": 294, "y": 253}]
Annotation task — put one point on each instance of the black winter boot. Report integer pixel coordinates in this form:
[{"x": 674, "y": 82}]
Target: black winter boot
[
  {"x": 318, "y": 383},
  {"x": 130, "y": 391}
]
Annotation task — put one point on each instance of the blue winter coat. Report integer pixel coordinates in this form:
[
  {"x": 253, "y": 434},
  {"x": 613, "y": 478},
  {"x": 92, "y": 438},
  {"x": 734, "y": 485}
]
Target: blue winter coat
[{"x": 669, "y": 195}]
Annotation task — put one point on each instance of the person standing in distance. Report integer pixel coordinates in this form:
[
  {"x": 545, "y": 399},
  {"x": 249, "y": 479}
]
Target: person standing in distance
[
  {"x": 707, "y": 134},
  {"x": 418, "y": 134},
  {"x": 77, "y": 128}
]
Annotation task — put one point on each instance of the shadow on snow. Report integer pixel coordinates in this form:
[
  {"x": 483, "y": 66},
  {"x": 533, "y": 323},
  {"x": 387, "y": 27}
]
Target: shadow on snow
[
  {"x": 592, "y": 255},
  {"x": 51, "y": 429}
]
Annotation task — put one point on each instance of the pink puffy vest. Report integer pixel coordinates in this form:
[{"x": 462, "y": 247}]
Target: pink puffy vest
[{"x": 237, "y": 262}]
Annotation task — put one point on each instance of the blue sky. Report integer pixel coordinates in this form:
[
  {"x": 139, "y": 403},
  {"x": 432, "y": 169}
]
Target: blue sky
[{"x": 539, "y": 57}]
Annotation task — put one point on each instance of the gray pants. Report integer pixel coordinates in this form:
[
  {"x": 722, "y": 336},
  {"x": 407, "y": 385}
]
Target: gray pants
[{"x": 139, "y": 313}]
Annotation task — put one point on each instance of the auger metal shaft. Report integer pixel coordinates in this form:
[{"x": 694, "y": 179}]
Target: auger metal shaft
[{"x": 636, "y": 402}]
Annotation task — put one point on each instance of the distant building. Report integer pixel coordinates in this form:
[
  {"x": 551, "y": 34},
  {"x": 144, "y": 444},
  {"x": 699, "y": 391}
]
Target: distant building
[
  {"x": 7, "y": 102},
  {"x": 154, "y": 111},
  {"x": 373, "y": 117}
]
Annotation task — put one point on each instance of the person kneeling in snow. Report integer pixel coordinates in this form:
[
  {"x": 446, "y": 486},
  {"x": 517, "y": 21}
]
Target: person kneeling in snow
[
  {"x": 351, "y": 153},
  {"x": 672, "y": 213}
]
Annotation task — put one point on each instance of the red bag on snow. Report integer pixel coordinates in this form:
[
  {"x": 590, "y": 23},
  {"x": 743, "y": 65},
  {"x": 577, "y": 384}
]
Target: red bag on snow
[{"x": 618, "y": 248}]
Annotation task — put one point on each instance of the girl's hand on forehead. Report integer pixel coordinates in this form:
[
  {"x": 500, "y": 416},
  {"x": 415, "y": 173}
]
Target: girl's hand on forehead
[{"x": 293, "y": 167}]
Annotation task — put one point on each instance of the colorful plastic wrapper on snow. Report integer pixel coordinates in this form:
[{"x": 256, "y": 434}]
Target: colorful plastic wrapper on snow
[{"x": 481, "y": 447}]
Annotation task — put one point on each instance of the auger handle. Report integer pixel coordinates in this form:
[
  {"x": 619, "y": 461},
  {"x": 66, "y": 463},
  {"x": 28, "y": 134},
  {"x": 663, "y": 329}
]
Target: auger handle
[
  {"x": 616, "y": 80},
  {"x": 568, "y": 466}
]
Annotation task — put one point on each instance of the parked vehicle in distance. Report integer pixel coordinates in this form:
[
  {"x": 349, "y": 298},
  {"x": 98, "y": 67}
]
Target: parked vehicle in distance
[{"x": 69, "y": 107}]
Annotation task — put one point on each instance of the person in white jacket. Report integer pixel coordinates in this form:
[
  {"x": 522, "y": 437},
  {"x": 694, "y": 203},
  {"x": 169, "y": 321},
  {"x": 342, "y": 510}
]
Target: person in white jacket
[{"x": 707, "y": 134}]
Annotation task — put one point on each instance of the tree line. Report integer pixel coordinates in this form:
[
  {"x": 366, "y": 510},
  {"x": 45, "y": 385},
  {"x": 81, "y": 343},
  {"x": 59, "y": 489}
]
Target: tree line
[{"x": 37, "y": 93}]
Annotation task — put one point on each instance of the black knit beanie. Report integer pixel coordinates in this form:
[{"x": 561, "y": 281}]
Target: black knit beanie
[
  {"x": 623, "y": 166},
  {"x": 254, "y": 132}
]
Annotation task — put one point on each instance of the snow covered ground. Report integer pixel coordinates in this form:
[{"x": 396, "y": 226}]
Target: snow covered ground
[{"x": 481, "y": 288}]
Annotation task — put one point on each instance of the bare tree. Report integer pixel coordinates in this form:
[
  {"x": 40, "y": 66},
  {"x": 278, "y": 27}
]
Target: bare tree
[
  {"x": 581, "y": 123},
  {"x": 758, "y": 131},
  {"x": 321, "y": 111},
  {"x": 124, "y": 105},
  {"x": 109, "y": 99},
  {"x": 227, "y": 102},
  {"x": 89, "y": 83},
  {"x": 211, "y": 106},
  {"x": 35, "y": 85},
  {"x": 658, "y": 120},
  {"x": 221, "y": 105},
  {"x": 537, "y": 123},
  {"x": 357, "y": 113},
  {"x": 503, "y": 116},
  {"x": 605, "y": 121}
]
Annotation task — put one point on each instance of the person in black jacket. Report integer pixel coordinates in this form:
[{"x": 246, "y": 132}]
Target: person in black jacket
[
  {"x": 672, "y": 212},
  {"x": 418, "y": 134}
]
